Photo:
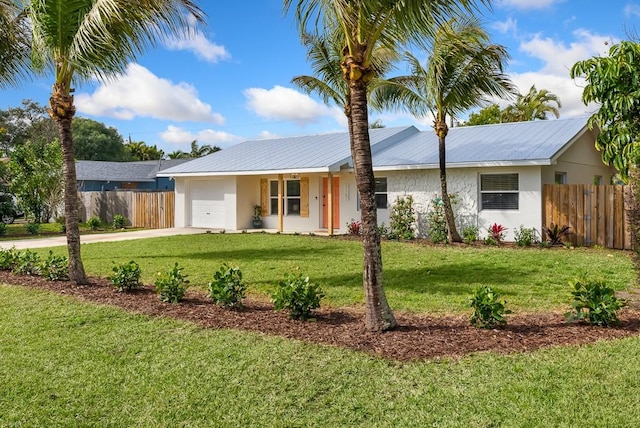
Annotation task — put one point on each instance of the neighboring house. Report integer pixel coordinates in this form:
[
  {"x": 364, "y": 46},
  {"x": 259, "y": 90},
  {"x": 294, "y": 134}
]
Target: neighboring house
[
  {"x": 141, "y": 175},
  {"x": 495, "y": 171}
]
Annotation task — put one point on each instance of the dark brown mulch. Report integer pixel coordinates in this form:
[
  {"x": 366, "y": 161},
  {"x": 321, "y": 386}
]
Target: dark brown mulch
[{"x": 417, "y": 337}]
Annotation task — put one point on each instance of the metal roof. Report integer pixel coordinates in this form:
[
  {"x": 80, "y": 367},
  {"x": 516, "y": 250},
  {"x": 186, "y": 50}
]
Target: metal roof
[
  {"x": 323, "y": 152},
  {"x": 141, "y": 171},
  {"x": 518, "y": 142}
]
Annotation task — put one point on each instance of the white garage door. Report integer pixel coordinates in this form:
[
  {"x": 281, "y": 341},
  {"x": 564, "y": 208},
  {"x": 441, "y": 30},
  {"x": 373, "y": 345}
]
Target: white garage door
[{"x": 207, "y": 204}]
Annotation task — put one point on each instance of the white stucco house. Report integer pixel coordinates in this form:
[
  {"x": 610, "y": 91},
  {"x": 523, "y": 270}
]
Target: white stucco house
[{"x": 496, "y": 172}]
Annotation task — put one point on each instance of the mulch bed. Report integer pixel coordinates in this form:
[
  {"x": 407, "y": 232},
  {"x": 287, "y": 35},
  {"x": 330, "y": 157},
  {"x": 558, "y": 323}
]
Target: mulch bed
[{"x": 416, "y": 338}]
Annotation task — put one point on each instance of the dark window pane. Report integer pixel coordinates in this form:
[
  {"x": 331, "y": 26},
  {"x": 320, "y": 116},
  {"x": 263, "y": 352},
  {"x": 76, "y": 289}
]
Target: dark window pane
[
  {"x": 497, "y": 182},
  {"x": 274, "y": 188},
  {"x": 381, "y": 201},
  {"x": 500, "y": 201},
  {"x": 293, "y": 188},
  {"x": 293, "y": 206},
  {"x": 274, "y": 206},
  {"x": 381, "y": 185}
]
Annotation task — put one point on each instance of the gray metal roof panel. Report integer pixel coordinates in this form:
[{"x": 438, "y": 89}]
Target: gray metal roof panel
[
  {"x": 506, "y": 142},
  {"x": 304, "y": 152}
]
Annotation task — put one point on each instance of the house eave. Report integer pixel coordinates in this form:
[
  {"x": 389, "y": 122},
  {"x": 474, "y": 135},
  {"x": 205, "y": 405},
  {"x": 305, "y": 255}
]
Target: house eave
[{"x": 319, "y": 170}]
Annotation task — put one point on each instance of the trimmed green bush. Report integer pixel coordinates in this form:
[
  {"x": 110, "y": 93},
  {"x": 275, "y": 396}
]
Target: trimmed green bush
[
  {"x": 27, "y": 263},
  {"x": 55, "y": 268},
  {"x": 119, "y": 221},
  {"x": 33, "y": 228},
  {"x": 297, "y": 295},
  {"x": 126, "y": 276},
  {"x": 402, "y": 219},
  {"x": 8, "y": 258},
  {"x": 594, "y": 302},
  {"x": 227, "y": 288},
  {"x": 94, "y": 223},
  {"x": 488, "y": 309},
  {"x": 172, "y": 286}
]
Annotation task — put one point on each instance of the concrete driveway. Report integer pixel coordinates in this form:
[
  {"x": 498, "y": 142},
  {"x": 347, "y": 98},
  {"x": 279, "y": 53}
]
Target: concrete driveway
[{"x": 21, "y": 244}]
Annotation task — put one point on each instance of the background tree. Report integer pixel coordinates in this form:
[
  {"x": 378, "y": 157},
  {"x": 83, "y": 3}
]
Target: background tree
[
  {"x": 178, "y": 154},
  {"x": 203, "y": 150},
  {"x": 366, "y": 25},
  {"x": 486, "y": 116},
  {"x": 614, "y": 83},
  {"x": 14, "y": 44},
  {"x": 463, "y": 70},
  {"x": 535, "y": 105},
  {"x": 140, "y": 151},
  {"x": 95, "y": 141},
  {"x": 35, "y": 177},
  {"x": 29, "y": 121},
  {"x": 84, "y": 39}
]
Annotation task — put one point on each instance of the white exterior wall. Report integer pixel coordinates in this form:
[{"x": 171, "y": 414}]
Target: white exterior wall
[
  {"x": 183, "y": 200},
  {"x": 180, "y": 208}
]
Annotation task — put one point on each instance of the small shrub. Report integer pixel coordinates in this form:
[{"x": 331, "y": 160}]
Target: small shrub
[
  {"x": 383, "y": 230},
  {"x": 490, "y": 241},
  {"x": 227, "y": 288},
  {"x": 55, "y": 268},
  {"x": 62, "y": 221},
  {"x": 496, "y": 232},
  {"x": 94, "y": 223},
  {"x": 33, "y": 228},
  {"x": 488, "y": 309},
  {"x": 3, "y": 228},
  {"x": 353, "y": 227},
  {"x": 524, "y": 236},
  {"x": 594, "y": 302},
  {"x": 298, "y": 296},
  {"x": 27, "y": 263},
  {"x": 172, "y": 286},
  {"x": 555, "y": 233},
  {"x": 8, "y": 258},
  {"x": 437, "y": 222},
  {"x": 402, "y": 218},
  {"x": 470, "y": 234},
  {"x": 126, "y": 276},
  {"x": 119, "y": 221}
]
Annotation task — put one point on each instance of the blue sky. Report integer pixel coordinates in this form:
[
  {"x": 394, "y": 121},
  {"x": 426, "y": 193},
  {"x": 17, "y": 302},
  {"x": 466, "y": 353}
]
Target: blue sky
[{"x": 232, "y": 81}]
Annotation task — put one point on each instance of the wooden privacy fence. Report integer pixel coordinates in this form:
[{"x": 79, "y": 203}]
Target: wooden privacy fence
[
  {"x": 151, "y": 210},
  {"x": 595, "y": 214}
]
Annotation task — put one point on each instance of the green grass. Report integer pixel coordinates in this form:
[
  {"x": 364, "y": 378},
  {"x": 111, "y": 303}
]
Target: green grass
[
  {"x": 19, "y": 230},
  {"x": 417, "y": 278},
  {"x": 66, "y": 363}
]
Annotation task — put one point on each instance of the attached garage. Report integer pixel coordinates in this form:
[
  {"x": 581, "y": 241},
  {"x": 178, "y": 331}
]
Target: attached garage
[{"x": 207, "y": 203}]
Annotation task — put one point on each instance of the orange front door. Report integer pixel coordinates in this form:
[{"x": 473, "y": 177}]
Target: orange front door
[{"x": 336, "y": 202}]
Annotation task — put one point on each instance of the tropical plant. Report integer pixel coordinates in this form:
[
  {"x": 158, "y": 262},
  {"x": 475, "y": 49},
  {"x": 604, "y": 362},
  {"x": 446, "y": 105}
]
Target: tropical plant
[
  {"x": 81, "y": 40},
  {"x": 203, "y": 150},
  {"x": 119, "y": 221},
  {"x": 403, "y": 218},
  {"x": 227, "y": 288},
  {"x": 126, "y": 276},
  {"x": 524, "y": 236},
  {"x": 353, "y": 227},
  {"x": 535, "y": 105},
  {"x": 555, "y": 233},
  {"x": 14, "y": 44},
  {"x": 178, "y": 154},
  {"x": 595, "y": 302},
  {"x": 172, "y": 285},
  {"x": 27, "y": 262},
  {"x": 365, "y": 26},
  {"x": 8, "y": 258},
  {"x": 55, "y": 268},
  {"x": 470, "y": 234},
  {"x": 488, "y": 308},
  {"x": 463, "y": 70},
  {"x": 612, "y": 82},
  {"x": 297, "y": 295},
  {"x": 496, "y": 232}
]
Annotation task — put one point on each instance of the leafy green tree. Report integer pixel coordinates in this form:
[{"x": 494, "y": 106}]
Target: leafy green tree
[
  {"x": 94, "y": 141},
  {"x": 83, "y": 39},
  {"x": 29, "y": 121},
  {"x": 486, "y": 116},
  {"x": 35, "y": 177},
  {"x": 140, "y": 151},
  {"x": 178, "y": 154},
  {"x": 534, "y": 105},
  {"x": 463, "y": 70},
  {"x": 365, "y": 25},
  {"x": 613, "y": 81}
]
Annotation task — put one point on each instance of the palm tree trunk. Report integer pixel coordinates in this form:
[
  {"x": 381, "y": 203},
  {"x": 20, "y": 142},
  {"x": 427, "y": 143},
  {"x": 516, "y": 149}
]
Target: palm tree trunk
[
  {"x": 379, "y": 316},
  {"x": 62, "y": 111},
  {"x": 452, "y": 232}
]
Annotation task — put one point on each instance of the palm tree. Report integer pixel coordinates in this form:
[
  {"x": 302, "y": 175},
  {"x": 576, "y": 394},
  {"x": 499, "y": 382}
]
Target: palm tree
[
  {"x": 463, "y": 70},
  {"x": 14, "y": 44},
  {"x": 534, "y": 105},
  {"x": 178, "y": 154},
  {"x": 365, "y": 25},
  {"x": 83, "y": 39},
  {"x": 203, "y": 150}
]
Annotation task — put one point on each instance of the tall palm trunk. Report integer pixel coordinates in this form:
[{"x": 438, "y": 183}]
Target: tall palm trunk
[
  {"x": 442, "y": 130},
  {"x": 379, "y": 316},
  {"x": 62, "y": 111}
]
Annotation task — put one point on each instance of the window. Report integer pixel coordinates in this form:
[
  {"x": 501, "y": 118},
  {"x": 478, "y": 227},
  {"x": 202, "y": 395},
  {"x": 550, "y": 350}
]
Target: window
[
  {"x": 597, "y": 180},
  {"x": 381, "y": 194},
  {"x": 499, "y": 192},
  {"x": 291, "y": 197},
  {"x": 560, "y": 178}
]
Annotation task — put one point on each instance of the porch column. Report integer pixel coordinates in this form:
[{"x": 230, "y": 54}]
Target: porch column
[
  {"x": 330, "y": 204},
  {"x": 280, "y": 203}
]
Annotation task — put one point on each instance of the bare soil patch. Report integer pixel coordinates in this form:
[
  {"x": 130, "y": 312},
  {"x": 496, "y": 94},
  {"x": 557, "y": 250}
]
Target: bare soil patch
[{"x": 417, "y": 337}]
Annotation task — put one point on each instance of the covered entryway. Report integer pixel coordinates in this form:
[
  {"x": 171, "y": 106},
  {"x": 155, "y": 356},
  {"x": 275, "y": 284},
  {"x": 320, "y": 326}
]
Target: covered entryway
[
  {"x": 207, "y": 203},
  {"x": 334, "y": 192}
]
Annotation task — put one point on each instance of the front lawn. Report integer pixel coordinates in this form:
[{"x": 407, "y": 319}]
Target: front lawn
[
  {"x": 417, "y": 278},
  {"x": 66, "y": 363}
]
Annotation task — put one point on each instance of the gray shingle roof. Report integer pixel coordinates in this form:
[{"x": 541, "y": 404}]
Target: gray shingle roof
[
  {"x": 143, "y": 171},
  {"x": 521, "y": 142},
  {"x": 311, "y": 152},
  {"x": 507, "y": 142}
]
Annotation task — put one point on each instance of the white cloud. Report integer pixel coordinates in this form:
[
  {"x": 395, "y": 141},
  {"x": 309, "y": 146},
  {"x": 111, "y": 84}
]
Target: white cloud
[
  {"x": 266, "y": 135},
  {"x": 179, "y": 136},
  {"x": 140, "y": 93},
  {"x": 632, "y": 9},
  {"x": 504, "y": 27},
  {"x": 529, "y": 4},
  {"x": 201, "y": 46},
  {"x": 282, "y": 103}
]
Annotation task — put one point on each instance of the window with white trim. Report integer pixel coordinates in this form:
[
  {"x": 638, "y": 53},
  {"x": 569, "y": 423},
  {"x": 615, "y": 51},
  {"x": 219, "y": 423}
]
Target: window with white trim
[
  {"x": 291, "y": 197},
  {"x": 560, "y": 178},
  {"x": 382, "y": 202},
  {"x": 499, "y": 192}
]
